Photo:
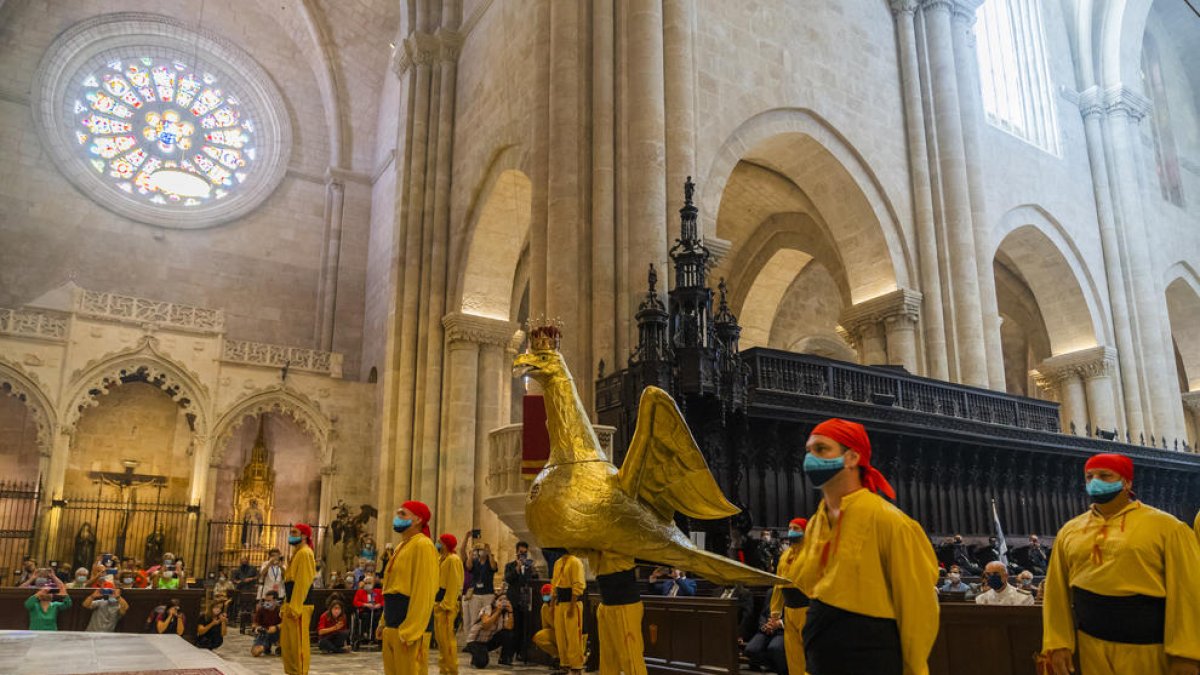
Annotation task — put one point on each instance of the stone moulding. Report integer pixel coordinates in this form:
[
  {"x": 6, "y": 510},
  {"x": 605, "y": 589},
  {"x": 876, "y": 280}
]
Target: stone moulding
[
  {"x": 279, "y": 356},
  {"x": 276, "y": 399},
  {"x": 26, "y": 387},
  {"x": 141, "y": 310},
  {"x": 34, "y": 324}
]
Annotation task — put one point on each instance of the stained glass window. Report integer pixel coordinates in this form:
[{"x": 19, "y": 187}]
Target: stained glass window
[{"x": 164, "y": 131}]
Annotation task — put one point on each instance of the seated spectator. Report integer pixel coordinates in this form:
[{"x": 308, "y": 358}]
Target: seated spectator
[
  {"x": 333, "y": 632},
  {"x": 492, "y": 630},
  {"x": 131, "y": 576},
  {"x": 225, "y": 601},
  {"x": 210, "y": 629},
  {"x": 999, "y": 591},
  {"x": 61, "y": 570},
  {"x": 1025, "y": 582},
  {"x": 81, "y": 578},
  {"x": 766, "y": 649},
  {"x": 28, "y": 574},
  {"x": 962, "y": 557},
  {"x": 544, "y": 638},
  {"x": 266, "y": 625},
  {"x": 44, "y": 606},
  {"x": 954, "y": 582},
  {"x": 224, "y": 586},
  {"x": 368, "y": 601},
  {"x": 1036, "y": 555},
  {"x": 675, "y": 582},
  {"x": 168, "y": 618},
  {"x": 165, "y": 576},
  {"x": 107, "y": 608}
]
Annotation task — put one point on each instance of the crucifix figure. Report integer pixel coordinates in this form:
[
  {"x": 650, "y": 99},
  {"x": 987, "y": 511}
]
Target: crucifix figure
[{"x": 127, "y": 482}]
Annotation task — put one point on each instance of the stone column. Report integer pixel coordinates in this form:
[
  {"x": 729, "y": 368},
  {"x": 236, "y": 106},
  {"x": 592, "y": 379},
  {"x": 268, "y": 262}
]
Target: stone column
[
  {"x": 918, "y": 160},
  {"x": 1097, "y": 378},
  {"x": 55, "y": 477},
  {"x": 605, "y": 330},
  {"x": 335, "y": 194},
  {"x": 970, "y": 101},
  {"x": 1191, "y": 402},
  {"x": 1073, "y": 374},
  {"x": 1066, "y": 387},
  {"x": 956, "y": 206},
  {"x": 201, "y": 454},
  {"x": 329, "y": 474},
  {"x": 495, "y": 386},
  {"x": 883, "y": 328},
  {"x": 679, "y": 80}
]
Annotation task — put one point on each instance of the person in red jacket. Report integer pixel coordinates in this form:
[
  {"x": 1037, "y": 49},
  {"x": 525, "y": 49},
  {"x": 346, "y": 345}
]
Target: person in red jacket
[
  {"x": 333, "y": 632},
  {"x": 368, "y": 601}
]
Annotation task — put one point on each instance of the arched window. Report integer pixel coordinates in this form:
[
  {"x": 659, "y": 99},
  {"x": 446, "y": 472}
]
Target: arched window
[{"x": 1018, "y": 95}]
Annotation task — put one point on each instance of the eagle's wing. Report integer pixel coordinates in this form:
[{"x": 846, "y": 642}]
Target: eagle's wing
[{"x": 664, "y": 467}]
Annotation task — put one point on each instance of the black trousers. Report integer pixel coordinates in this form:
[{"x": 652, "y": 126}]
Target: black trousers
[
  {"x": 210, "y": 640},
  {"x": 837, "y": 642},
  {"x": 768, "y": 651},
  {"x": 334, "y": 642},
  {"x": 503, "y": 640}
]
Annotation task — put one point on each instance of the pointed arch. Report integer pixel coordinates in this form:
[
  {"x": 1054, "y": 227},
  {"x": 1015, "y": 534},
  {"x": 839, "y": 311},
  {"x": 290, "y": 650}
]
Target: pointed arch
[
  {"x": 277, "y": 399},
  {"x": 25, "y": 387},
  {"x": 1182, "y": 286},
  {"x": 142, "y": 363}
]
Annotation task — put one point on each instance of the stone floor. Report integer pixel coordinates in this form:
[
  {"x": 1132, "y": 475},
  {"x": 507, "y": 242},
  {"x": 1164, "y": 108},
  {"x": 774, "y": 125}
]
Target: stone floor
[
  {"x": 237, "y": 650},
  {"x": 67, "y": 653}
]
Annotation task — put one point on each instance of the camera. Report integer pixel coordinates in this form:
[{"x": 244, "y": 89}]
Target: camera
[
  {"x": 53, "y": 564},
  {"x": 106, "y": 592},
  {"x": 106, "y": 559},
  {"x": 475, "y": 534}
]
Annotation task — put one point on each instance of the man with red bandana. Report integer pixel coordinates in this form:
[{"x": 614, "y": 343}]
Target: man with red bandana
[
  {"x": 1120, "y": 589},
  {"x": 789, "y": 605},
  {"x": 297, "y": 608},
  {"x": 410, "y": 585},
  {"x": 450, "y": 583},
  {"x": 868, "y": 569}
]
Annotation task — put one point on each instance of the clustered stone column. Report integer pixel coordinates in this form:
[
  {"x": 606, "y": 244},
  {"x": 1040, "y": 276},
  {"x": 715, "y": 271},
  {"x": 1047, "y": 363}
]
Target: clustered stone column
[
  {"x": 476, "y": 379},
  {"x": 883, "y": 329},
  {"x": 1191, "y": 403},
  {"x": 1082, "y": 382}
]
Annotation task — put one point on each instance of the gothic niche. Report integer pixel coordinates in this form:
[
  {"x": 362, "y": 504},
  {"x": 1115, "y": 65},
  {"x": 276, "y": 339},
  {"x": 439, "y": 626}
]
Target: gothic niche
[{"x": 253, "y": 498}]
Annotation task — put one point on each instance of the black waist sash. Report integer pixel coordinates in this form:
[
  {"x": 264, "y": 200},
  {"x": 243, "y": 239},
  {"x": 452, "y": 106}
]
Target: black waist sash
[
  {"x": 287, "y": 592},
  {"x": 618, "y": 588},
  {"x": 441, "y": 594},
  {"x": 1131, "y": 619},
  {"x": 395, "y": 610},
  {"x": 837, "y": 642},
  {"x": 563, "y": 594},
  {"x": 794, "y": 598}
]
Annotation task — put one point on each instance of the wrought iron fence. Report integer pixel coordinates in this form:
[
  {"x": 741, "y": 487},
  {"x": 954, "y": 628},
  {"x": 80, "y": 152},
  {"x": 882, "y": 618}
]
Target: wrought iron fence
[
  {"x": 230, "y": 541},
  {"x": 88, "y": 527},
  {"x": 18, "y": 525}
]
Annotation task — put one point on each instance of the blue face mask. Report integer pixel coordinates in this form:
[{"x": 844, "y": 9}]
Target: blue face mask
[
  {"x": 545, "y": 598},
  {"x": 794, "y": 535},
  {"x": 295, "y": 540},
  {"x": 820, "y": 470},
  {"x": 437, "y": 545},
  {"x": 401, "y": 524},
  {"x": 1102, "y": 491}
]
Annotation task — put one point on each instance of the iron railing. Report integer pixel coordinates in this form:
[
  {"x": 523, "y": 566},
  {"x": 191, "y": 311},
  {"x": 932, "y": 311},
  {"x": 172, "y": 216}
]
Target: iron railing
[
  {"x": 230, "y": 541},
  {"x": 124, "y": 528},
  {"x": 18, "y": 526}
]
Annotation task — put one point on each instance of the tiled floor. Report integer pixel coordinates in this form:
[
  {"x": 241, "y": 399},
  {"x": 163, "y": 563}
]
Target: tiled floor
[
  {"x": 237, "y": 650},
  {"x": 42, "y": 653}
]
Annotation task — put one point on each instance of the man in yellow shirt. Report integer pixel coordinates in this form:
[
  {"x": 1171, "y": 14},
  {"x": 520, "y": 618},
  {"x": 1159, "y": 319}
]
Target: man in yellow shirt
[
  {"x": 1121, "y": 586},
  {"x": 409, "y": 593},
  {"x": 789, "y": 605},
  {"x": 297, "y": 608},
  {"x": 868, "y": 570},
  {"x": 544, "y": 638},
  {"x": 619, "y": 616},
  {"x": 569, "y": 586},
  {"x": 450, "y": 583}
]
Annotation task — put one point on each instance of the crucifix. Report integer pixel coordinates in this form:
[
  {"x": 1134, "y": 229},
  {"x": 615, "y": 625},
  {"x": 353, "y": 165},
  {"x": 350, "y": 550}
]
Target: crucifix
[{"x": 127, "y": 482}]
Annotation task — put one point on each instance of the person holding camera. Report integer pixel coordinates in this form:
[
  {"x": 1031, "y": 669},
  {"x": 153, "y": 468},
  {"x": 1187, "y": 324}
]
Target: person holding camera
[
  {"x": 482, "y": 566},
  {"x": 210, "y": 630},
  {"x": 672, "y": 582},
  {"x": 492, "y": 630},
  {"x": 168, "y": 618},
  {"x": 518, "y": 575},
  {"x": 107, "y": 608},
  {"x": 270, "y": 575},
  {"x": 28, "y": 574},
  {"x": 50, "y": 599},
  {"x": 266, "y": 625}
]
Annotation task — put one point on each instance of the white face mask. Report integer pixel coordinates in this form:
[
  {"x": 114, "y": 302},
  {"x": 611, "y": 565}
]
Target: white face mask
[
  {"x": 168, "y": 574},
  {"x": 954, "y": 578}
]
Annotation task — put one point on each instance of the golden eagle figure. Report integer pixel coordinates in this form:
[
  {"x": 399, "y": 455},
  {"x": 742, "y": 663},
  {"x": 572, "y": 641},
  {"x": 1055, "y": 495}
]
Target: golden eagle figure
[{"x": 581, "y": 501}]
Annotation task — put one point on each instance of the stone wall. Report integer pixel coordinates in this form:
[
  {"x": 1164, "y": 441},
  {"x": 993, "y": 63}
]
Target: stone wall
[{"x": 18, "y": 442}]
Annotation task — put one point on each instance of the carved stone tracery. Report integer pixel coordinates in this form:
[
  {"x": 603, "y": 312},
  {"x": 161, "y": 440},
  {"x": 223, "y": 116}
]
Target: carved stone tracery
[
  {"x": 277, "y": 399},
  {"x": 26, "y": 387}
]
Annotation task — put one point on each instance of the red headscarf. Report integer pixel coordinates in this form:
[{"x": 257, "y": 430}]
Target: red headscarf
[
  {"x": 420, "y": 510},
  {"x": 854, "y": 436},
  {"x": 305, "y": 531},
  {"x": 1117, "y": 463},
  {"x": 802, "y": 522},
  {"x": 546, "y": 588},
  {"x": 449, "y": 541}
]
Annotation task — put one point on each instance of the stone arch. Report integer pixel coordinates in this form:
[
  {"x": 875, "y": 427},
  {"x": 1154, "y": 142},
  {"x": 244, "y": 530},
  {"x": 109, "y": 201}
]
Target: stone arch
[
  {"x": 803, "y": 147},
  {"x": 278, "y": 399},
  {"x": 1183, "y": 311},
  {"x": 25, "y": 387},
  {"x": 1036, "y": 247},
  {"x": 497, "y": 233},
  {"x": 1120, "y": 28},
  {"x": 143, "y": 363}
]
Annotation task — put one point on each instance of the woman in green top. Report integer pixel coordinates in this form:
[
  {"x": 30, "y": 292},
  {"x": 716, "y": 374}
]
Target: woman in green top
[{"x": 44, "y": 609}]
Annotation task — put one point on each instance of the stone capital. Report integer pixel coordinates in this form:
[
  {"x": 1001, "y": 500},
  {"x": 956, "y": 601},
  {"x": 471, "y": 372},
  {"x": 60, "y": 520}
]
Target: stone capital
[
  {"x": 1191, "y": 401},
  {"x": 899, "y": 307},
  {"x": 1121, "y": 100},
  {"x": 964, "y": 10},
  {"x": 1084, "y": 364},
  {"x": 422, "y": 48},
  {"x": 452, "y": 42},
  {"x": 329, "y": 470},
  {"x": 479, "y": 330},
  {"x": 946, "y": 6},
  {"x": 904, "y": 7},
  {"x": 1091, "y": 101}
]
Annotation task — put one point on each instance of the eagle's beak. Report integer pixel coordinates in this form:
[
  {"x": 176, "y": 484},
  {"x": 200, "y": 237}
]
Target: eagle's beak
[{"x": 523, "y": 365}]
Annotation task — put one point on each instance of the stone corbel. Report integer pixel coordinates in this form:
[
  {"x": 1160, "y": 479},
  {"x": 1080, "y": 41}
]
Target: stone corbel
[
  {"x": 478, "y": 329},
  {"x": 452, "y": 42},
  {"x": 423, "y": 48}
]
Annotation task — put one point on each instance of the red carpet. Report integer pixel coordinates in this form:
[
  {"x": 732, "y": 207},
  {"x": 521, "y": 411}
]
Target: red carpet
[{"x": 177, "y": 671}]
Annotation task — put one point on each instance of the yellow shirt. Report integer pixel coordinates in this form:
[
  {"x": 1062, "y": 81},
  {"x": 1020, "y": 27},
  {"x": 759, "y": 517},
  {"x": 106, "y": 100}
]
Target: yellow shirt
[
  {"x": 547, "y": 616},
  {"x": 605, "y": 562},
  {"x": 789, "y": 568},
  {"x": 301, "y": 570},
  {"x": 413, "y": 571},
  {"x": 1137, "y": 551},
  {"x": 568, "y": 573},
  {"x": 878, "y": 563},
  {"x": 450, "y": 577},
  {"x": 1196, "y": 524}
]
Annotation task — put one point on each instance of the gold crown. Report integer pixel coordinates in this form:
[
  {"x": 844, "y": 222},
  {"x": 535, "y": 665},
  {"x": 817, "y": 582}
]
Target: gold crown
[{"x": 544, "y": 334}]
